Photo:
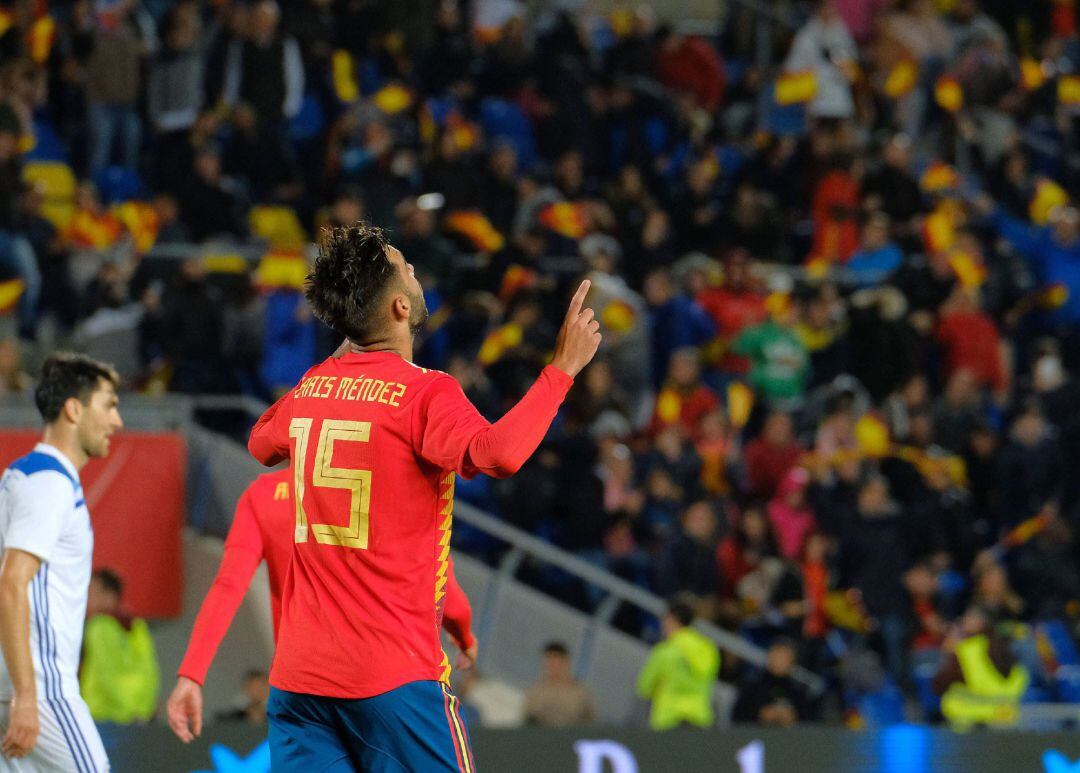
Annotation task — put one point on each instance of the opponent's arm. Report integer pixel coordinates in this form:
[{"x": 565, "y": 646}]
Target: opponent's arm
[
  {"x": 16, "y": 571},
  {"x": 454, "y": 436},
  {"x": 243, "y": 553}
]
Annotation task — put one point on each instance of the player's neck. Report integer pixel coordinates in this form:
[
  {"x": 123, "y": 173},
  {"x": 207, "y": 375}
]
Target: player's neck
[
  {"x": 400, "y": 346},
  {"x": 66, "y": 443}
]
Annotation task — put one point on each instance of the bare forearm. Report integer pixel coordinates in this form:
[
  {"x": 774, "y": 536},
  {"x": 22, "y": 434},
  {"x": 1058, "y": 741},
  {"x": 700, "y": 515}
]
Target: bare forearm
[{"x": 15, "y": 638}]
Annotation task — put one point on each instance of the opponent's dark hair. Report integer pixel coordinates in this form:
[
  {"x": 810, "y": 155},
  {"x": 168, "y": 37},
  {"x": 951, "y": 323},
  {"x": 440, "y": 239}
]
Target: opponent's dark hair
[
  {"x": 111, "y": 580},
  {"x": 556, "y": 648},
  {"x": 351, "y": 275},
  {"x": 66, "y": 375}
]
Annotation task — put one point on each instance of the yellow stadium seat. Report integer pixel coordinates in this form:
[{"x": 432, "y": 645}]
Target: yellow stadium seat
[
  {"x": 57, "y": 184},
  {"x": 278, "y": 225}
]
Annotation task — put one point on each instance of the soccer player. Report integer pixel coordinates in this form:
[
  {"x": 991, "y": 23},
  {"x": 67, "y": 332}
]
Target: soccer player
[
  {"x": 359, "y": 679},
  {"x": 47, "y": 544},
  {"x": 262, "y": 529}
]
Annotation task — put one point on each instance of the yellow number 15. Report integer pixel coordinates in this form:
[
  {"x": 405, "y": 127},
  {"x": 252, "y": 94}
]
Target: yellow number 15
[{"x": 356, "y": 482}]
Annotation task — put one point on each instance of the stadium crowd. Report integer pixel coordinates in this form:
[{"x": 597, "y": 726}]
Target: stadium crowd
[{"x": 840, "y": 293}]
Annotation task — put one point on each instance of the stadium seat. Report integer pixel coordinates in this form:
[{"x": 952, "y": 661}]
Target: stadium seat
[
  {"x": 47, "y": 144},
  {"x": 118, "y": 183},
  {"x": 57, "y": 183},
  {"x": 279, "y": 225}
]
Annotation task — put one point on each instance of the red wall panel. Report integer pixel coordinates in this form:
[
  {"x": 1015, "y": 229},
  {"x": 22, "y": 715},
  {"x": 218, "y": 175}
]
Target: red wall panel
[{"x": 137, "y": 504}]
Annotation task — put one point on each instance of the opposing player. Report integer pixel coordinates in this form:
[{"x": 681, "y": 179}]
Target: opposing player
[
  {"x": 359, "y": 679},
  {"x": 47, "y": 545},
  {"x": 262, "y": 529}
]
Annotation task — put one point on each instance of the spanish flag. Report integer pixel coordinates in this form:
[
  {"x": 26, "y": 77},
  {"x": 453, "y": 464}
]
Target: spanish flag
[
  {"x": 96, "y": 232},
  {"x": 618, "y": 317},
  {"x": 872, "y": 435},
  {"x": 1048, "y": 197},
  {"x": 1052, "y": 297},
  {"x": 1069, "y": 90},
  {"x": 281, "y": 269},
  {"x": 392, "y": 98},
  {"x": 475, "y": 226},
  {"x": 939, "y": 229},
  {"x": 466, "y": 134},
  {"x": 515, "y": 278},
  {"x": 969, "y": 271},
  {"x": 343, "y": 75},
  {"x": 796, "y": 88},
  {"x": 499, "y": 342},
  {"x": 141, "y": 221},
  {"x": 668, "y": 406},
  {"x": 1032, "y": 75},
  {"x": 740, "y": 403},
  {"x": 566, "y": 218},
  {"x": 949, "y": 94},
  {"x": 938, "y": 177},
  {"x": 902, "y": 79},
  {"x": 10, "y": 291},
  {"x": 40, "y": 39}
]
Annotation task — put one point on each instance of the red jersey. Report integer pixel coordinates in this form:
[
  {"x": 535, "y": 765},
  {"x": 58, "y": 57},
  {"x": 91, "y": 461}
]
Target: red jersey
[
  {"x": 262, "y": 529},
  {"x": 374, "y": 443}
]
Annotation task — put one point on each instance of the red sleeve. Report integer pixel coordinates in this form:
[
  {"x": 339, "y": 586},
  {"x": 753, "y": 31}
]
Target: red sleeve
[
  {"x": 451, "y": 433},
  {"x": 457, "y": 614},
  {"x": 269, "y": 441},
  {"x": 243, "y": 552}
]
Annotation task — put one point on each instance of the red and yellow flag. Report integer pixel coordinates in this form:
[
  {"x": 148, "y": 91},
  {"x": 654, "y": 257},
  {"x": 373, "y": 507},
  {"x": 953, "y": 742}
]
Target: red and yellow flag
[
  {"x": 1032, "y": 76},
  {"x": 970, "y": 271},
  {"x": 475, "y": 226},
  {"x": 949, "y": 94},
  {"x": 95, "y": 232},
  {"x": 938, "y": 177},
  {"x": 1048, "y": 197},
  {"x": 902, "y": 79},
  {"x": 10, "y": 292},
  {"x": 499, "y": 342},
  {"x": 141, "y": 221},
  {"x": 566, "y": 218},
  {"x": 281, "y": 269},
  {"x": 515, "y": 278},
  {"x": 40, "y": 39},
  {"x": 939, "y": 229}
]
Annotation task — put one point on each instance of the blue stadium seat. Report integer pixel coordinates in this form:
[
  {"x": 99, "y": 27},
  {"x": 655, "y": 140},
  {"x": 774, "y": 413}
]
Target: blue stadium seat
[{"x": 118, "y": 183}]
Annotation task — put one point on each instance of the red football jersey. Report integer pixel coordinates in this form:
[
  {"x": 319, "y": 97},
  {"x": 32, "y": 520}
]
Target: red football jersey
[
  {"x": 262, "y": 528},
  {"x": 375, "y": 443}
]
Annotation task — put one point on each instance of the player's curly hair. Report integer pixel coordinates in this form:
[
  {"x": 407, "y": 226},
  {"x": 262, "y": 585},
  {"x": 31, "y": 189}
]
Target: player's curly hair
[
  {"x": 66, "y": 375},
  {"x": 350, "y": 277}
]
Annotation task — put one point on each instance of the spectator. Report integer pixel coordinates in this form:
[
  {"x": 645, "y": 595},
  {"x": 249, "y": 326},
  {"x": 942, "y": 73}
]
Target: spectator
[
  {"x": 1030, "y": 471},
  {"x": 676, "y": 321},
  {"x": 17, "y": 258},
  {"x": 684, "y": 399},
  {"x": 687, "y": 562},
  {"x": 265, "y": 70},
  {"x": 743, "y": 551},
  {"x": 115, "y": 44},
  {"x": 251, "y": 705},
  {"x": 769, "y": 456},
  {"x": 779, "y": 361},
  {"x": 774, "y": 699},
  {"x": 557, "y": 699},
  {"x": 980, "y": 681},
  {"x": 691, "y": 65},
  {"x": 972, "y": 342},
  {"x": 679, "y": 677},
  {"x": 119, "y": 674},
  {"x": 876, "y": 257},
  {"x": 791, "y": 518},
  {"x": 210, "y": 203},
  {"x": 825, "y": 47},
  {"x": 174, "y": 92}
]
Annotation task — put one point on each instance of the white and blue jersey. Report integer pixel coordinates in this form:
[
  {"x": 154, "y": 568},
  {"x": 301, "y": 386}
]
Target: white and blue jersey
[{"x": 43, "y": 512}]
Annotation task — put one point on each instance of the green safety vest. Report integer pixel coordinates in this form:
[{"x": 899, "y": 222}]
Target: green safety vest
[
  {"x": 985, "y": 697},
  {"x": 119, "y": 677},
  {"x": 679, "y": 678}
]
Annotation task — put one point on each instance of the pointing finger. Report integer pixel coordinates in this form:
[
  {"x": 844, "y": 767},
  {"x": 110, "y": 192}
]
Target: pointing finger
[{"x": 578, "y": 299}]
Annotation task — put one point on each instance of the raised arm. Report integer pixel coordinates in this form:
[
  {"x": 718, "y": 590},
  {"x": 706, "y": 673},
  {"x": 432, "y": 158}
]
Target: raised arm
[
  {"x": 269, "y": 441},
  {"x": 449, "y": 431}
]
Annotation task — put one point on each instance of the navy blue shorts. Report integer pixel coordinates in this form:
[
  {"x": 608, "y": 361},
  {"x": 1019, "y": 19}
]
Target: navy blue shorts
[{"x": 417, "y": 727}]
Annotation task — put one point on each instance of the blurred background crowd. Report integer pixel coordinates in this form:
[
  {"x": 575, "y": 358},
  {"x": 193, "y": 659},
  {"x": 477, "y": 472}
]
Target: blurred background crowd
[{"x": 839, "y": 279}]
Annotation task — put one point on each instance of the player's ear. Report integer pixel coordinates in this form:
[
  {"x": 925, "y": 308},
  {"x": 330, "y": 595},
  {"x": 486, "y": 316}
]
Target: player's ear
[
  {"x": 400, "y": 307},
  {"x": 72, "y": 410}
]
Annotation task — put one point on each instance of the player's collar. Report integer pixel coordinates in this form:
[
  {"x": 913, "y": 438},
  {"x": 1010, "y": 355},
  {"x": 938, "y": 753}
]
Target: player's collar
[{"x": 56, "y": 453}]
